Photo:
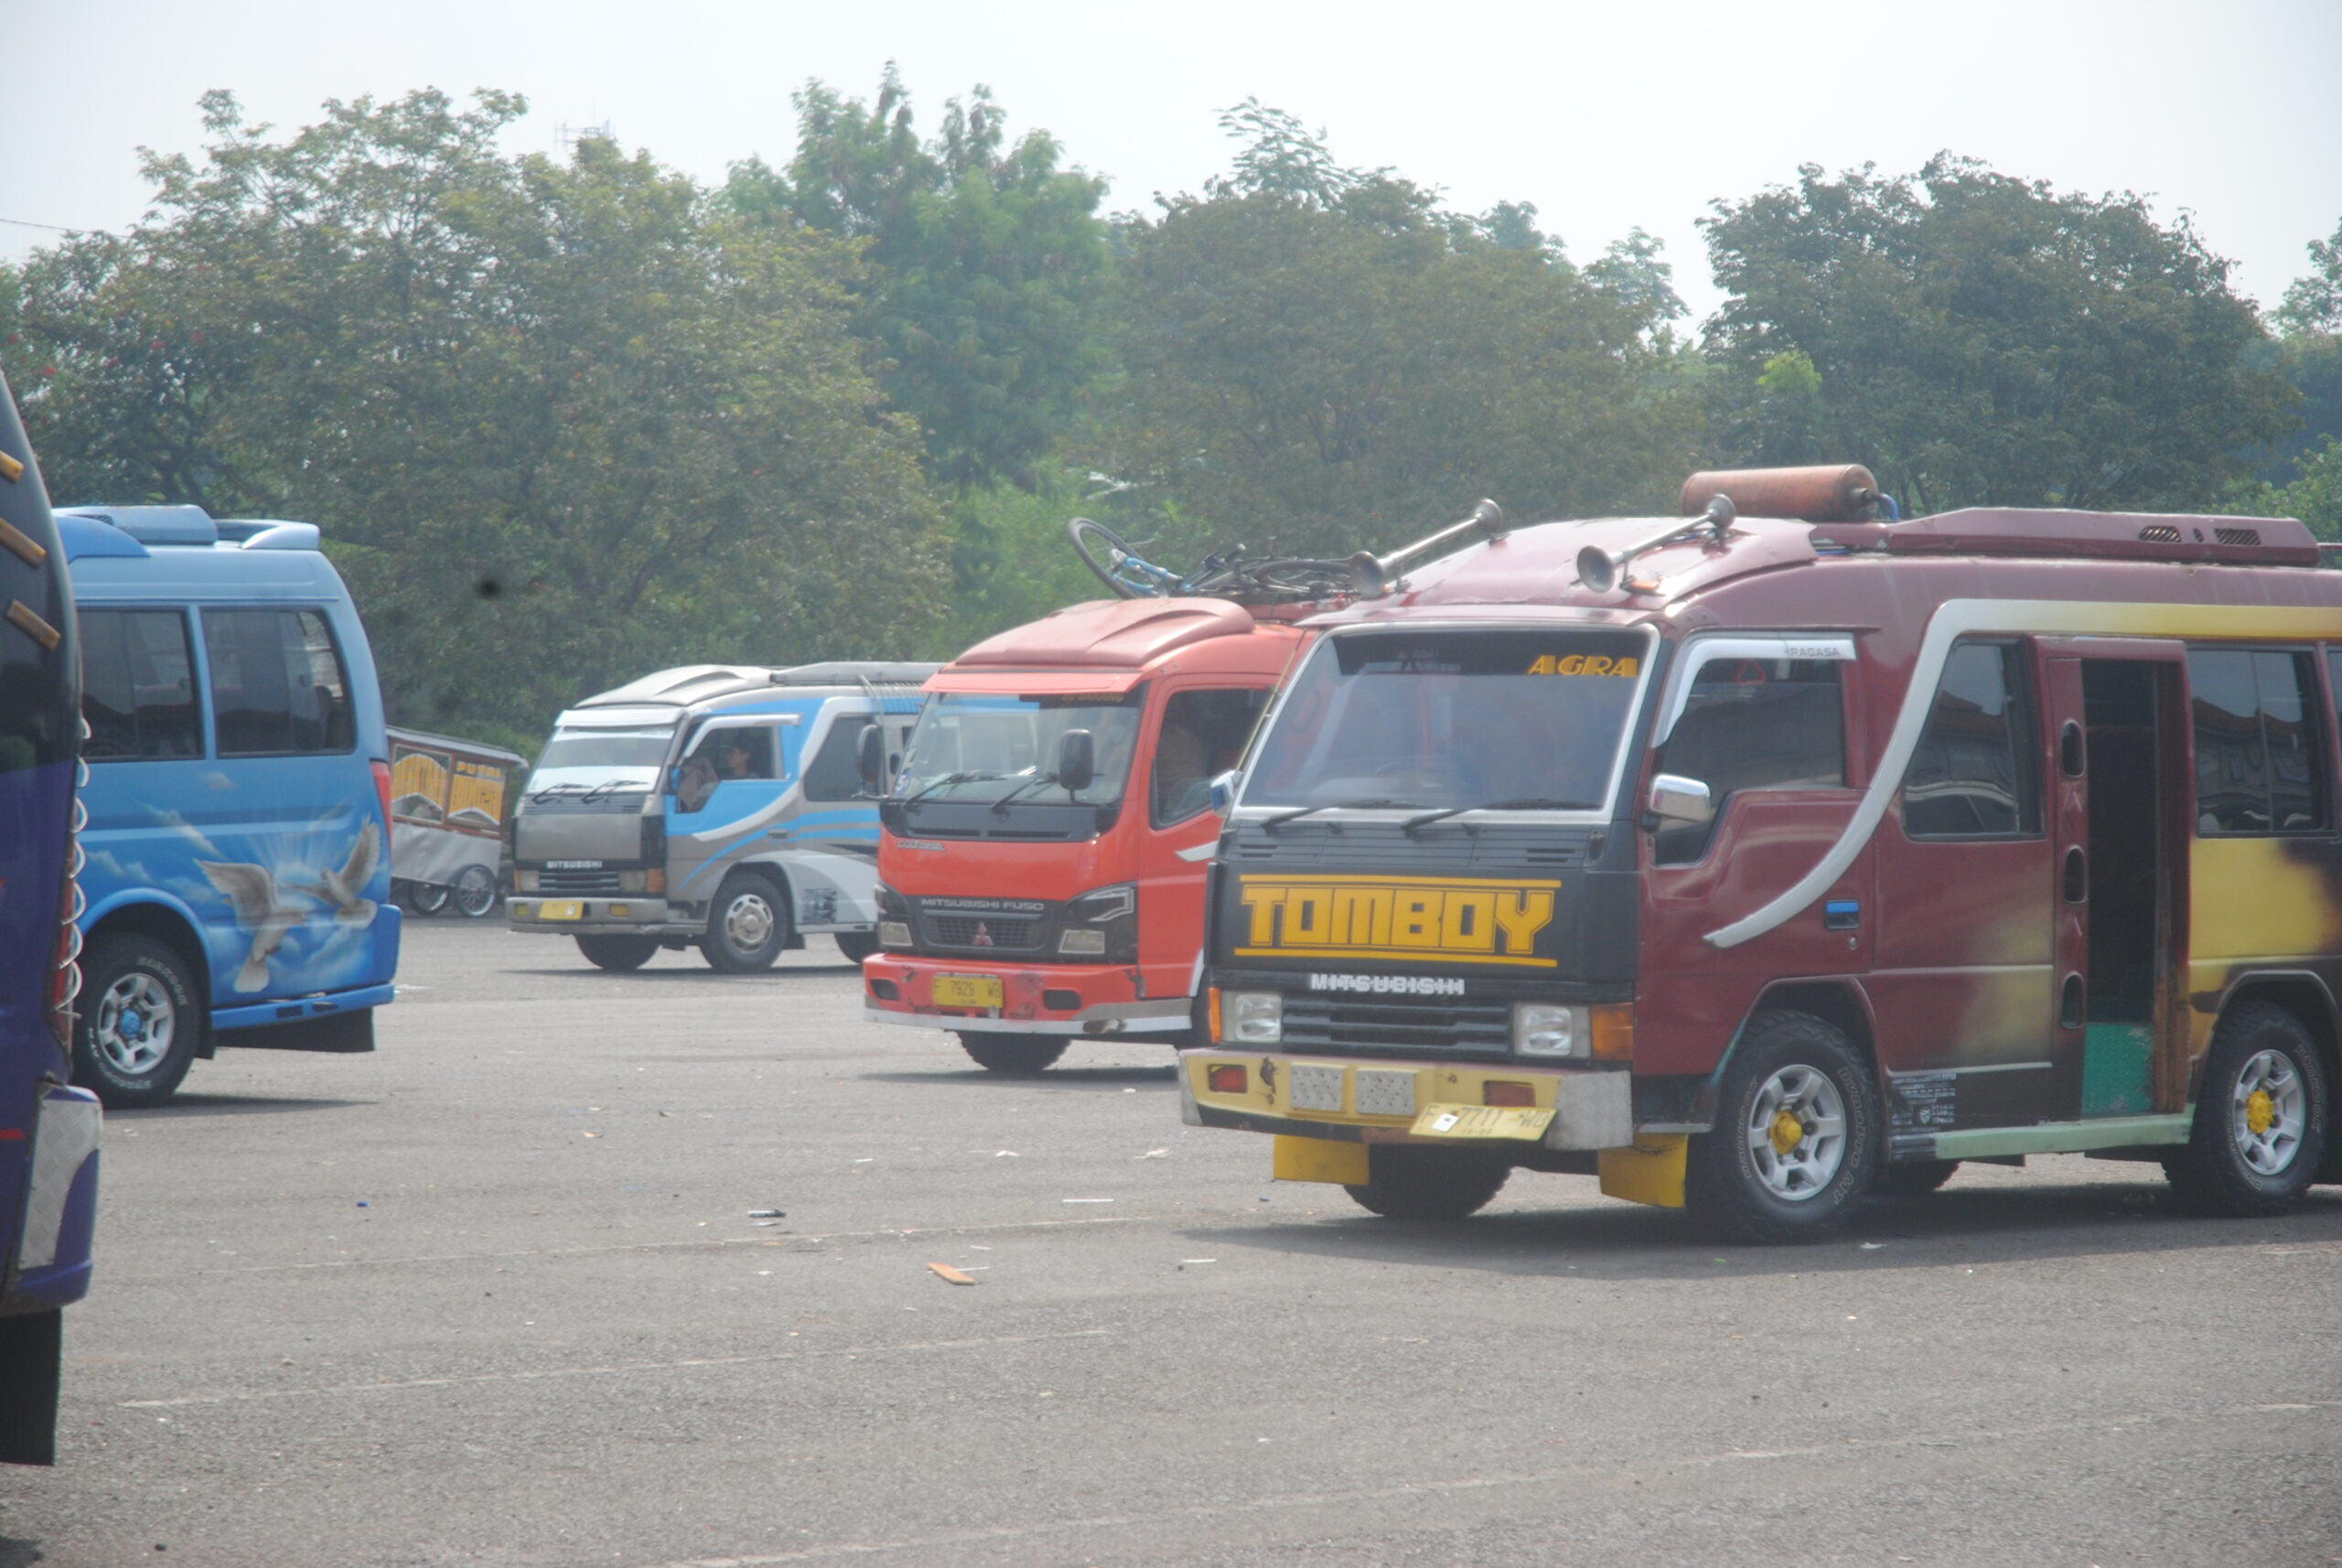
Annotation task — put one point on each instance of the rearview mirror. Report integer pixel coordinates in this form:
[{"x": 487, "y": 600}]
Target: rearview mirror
[
  {"x": 1685, "y": 802},
  {"x": 870, "y": 759},
  {"x": 1223, "y": 793},
  {"x": 1076, "y": 760}
]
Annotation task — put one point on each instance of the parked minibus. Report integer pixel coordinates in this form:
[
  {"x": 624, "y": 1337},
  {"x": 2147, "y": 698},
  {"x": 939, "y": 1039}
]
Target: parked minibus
[
  {"x": 237, "y": 876},
  {"x": 48, "y": 1131},
  {"x": 714, "y": 806},
  {"x": 1759, "y": 858}
]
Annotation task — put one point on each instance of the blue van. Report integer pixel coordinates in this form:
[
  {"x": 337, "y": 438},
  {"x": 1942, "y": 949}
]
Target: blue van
[{"x": 239, "y": 865}]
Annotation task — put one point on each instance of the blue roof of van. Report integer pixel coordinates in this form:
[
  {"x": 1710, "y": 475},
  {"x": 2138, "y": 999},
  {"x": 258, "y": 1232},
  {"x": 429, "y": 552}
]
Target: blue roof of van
[{"x": 95, "y": 530}]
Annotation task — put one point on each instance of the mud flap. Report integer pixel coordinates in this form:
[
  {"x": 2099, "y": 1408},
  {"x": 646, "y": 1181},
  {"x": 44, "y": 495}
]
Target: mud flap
[
  {"x": 31, "y": 1350},
  {"x": 1650, "y": 1170}
]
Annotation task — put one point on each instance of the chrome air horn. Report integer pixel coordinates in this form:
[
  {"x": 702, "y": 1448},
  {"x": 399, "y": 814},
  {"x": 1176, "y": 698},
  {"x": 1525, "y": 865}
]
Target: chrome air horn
[
  {"x": 1371, "y": 576},
  {"x": 1601, "y": 571}
]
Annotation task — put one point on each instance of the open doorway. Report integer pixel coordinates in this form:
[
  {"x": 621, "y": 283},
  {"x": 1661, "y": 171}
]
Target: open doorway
[{"x": 2125, "y": 883}]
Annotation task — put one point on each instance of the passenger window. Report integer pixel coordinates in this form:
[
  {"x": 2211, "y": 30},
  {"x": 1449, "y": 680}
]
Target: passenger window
[
  {"x": 1753, "y": 724},
  {"x": 836, "y": 772},
  {"x": 138, "y": 686},
  {"x": 2258, "y": 751},
  {"x": 277, "y": 685},
  {"x": 1975, "y": 773},
  {"x": 1204, "y": 736}
]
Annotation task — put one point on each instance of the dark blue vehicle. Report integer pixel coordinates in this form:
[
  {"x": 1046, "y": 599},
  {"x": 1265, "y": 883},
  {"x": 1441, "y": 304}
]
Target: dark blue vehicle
[
  {"x": 48, "y": 1131},
  {"x": 238, "y": 842}
]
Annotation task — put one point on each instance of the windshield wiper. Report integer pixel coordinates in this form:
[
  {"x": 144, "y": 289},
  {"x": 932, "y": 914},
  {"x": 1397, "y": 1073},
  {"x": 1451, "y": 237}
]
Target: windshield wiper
[
  {"x": 1000, "y": 807},
  {"x": 1534, "y": 803},
  {"x": 551, "y": 789},
  {"x": 598, "y": 791},
  {"x": 974, "y": 776},
  {"x": 1377, "y": 802}
]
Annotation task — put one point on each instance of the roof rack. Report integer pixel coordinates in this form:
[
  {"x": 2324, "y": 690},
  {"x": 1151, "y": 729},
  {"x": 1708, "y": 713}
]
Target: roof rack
[{"x": 2110, "y": 535}]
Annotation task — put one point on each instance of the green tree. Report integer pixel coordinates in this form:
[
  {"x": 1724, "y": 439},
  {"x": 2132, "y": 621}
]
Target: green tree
[
  {"x": 2308, "y": 353},
  {"x": 1979, "y": 338},
  {"x": 562, "y": 423},
  {"x": 988, "y": 266},
  {"x": 1322, "y": 356}
]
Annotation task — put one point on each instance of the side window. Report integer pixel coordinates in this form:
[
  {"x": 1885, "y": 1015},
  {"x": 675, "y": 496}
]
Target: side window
[
  {"x": 1203, "y": 736},
  {"x": 139, "y": 685},
  {"x": 277, "y": 684},
  {"x": 1973, "y": 775},
  {"x": 2258, "y": 751},
  {"x": 836, "y": 772},
  {"x": 1753, "y": 724},
  {"x": 730, "y": 751}
]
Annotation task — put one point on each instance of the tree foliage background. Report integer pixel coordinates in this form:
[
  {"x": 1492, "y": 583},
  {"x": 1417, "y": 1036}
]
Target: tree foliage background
[{"x": 565, "y": 421}]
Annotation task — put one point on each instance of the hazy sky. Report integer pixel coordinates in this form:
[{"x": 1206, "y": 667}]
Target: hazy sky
[{"x": 1605, "y": 117}]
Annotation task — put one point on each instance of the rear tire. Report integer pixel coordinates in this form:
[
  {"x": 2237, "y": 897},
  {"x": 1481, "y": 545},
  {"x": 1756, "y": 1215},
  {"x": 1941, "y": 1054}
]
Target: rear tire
[
  {"x": 1409, "y": 1181},
  {"x": 747, "y": 926},
  {"x": 617, "y": 953},
  {"x": 1912, "y": 1178},
  {"x": 1014, "y": 1056},
  {"x": 1796, "y": 1134},
  {"x": 855, "y": 946},
  {"x": 474, "y": 892},
  {"x": 140, "y": 1019},
  {"x": 2261, "y": 1118}
]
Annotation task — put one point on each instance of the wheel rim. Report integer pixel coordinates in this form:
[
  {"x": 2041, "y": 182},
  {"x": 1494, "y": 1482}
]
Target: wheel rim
[
  {"x": 2269, "y": 1112},
  {"x": 135, "y": 1023},
  {"x": 747, "y": 922},
  {"x": 476, "y": 891},
  {"x": 1796, "y": 1133}
]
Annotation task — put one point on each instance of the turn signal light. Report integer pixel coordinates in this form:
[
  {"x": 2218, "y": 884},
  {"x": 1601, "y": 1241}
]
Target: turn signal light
[
  {"x": 1226, "y": 1079},
  {"x": 1614, "y": 1032},
  {"x": 1498, "y": 1091}
]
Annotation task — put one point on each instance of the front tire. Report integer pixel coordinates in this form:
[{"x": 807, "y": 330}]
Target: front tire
[
  {"x": 1796, "y": 1134},
  {"x": 135, "y": 1035},
  {"x": 747, "y": 926},
  {"x": 1013, "y": 1056},
  {"x": 2261, "y": 1118},
  {"x": 1410, "y": 1181},
  {"x": 855, "y": 946},
  {"x": 617, "y": 953}
]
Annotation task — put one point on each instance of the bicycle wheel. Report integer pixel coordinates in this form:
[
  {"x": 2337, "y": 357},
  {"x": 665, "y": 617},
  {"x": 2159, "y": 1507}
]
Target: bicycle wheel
[
  {"x": 1303, "y": 579},
  {"x": 1111, "y": 559}
]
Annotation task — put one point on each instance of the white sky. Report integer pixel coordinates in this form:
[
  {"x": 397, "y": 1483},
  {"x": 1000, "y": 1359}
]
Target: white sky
[{"x": 1605, "y": 117}]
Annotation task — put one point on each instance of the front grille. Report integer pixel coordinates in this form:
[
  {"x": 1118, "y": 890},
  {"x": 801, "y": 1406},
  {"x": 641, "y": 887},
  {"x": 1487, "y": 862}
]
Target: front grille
[
  {"x": 616, "y": 803},
  {"x": 999, "y": 933},
  {"x": 577, "y": 882},
  {"x": 1390, "y": 1027}
]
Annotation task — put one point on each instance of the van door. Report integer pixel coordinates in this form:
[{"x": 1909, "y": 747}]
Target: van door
[
  {"x": 2119, "y": 830},
  {"x": 1201, "y": 733},
  {"x": 732, "y": 776}
]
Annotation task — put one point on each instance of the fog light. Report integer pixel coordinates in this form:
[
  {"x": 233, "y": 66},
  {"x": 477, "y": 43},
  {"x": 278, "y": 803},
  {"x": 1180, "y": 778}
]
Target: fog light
[
  {"x": 1061, "y": 1001},
  {"x": 1548, "y": 1029},
  {"x": 1254, "y": 1017},
  {"x": 894, "y": 933},
  {"x": 1081, "y": 941},
  {"x": 885, "y": 990},
  {"x": 1227, "y": 1079},
  {"x": 1499, "y": 1092},
  {"x": 621, "y": 911}
]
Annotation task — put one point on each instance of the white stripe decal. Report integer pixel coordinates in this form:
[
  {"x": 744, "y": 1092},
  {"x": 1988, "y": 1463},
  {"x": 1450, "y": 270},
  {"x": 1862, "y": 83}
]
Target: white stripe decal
[{"x": 2042, "y": 617}]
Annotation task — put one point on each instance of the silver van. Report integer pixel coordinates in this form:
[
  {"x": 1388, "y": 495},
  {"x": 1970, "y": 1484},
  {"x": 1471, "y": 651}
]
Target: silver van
[{"x": 719, "y": 806}]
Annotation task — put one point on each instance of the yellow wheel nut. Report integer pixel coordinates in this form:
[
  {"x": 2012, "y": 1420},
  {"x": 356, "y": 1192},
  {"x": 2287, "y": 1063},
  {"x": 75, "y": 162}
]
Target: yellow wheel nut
[
  {"x": 2259, "y": 1112},
  {"x": 1788, "y": 1131}
]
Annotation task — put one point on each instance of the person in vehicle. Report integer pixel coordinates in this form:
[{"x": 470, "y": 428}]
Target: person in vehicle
[{"x": 738, "y": 763}]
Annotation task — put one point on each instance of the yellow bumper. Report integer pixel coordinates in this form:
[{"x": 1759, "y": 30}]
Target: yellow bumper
[{"x": 1389, "y": 1102}]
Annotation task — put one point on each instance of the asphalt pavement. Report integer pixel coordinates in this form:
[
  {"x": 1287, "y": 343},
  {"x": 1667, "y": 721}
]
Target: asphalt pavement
[{"x": 497, "y": 1294}]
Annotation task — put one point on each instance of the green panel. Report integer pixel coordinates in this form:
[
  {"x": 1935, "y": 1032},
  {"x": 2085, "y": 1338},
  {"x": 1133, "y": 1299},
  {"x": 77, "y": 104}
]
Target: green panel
[
  {"x": 2115, "y": 1059},
  {"x": 2064, "y": 1137}
]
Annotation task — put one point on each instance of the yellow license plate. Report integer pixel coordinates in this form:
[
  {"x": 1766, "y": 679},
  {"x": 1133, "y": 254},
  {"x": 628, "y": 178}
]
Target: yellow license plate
[
  {"x": 1526, "y": 1122},
  {"x": 967, "y": 990},
  {"x": 562, "y": 909}
]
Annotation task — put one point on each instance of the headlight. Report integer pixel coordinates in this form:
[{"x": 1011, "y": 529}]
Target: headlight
[
  {"x": 1549, "y": 1029},
  {"x": 1101, "y": 923},
  {"x": 1251, "y": 1017},
  {"x": 524, "y": 882},
  {"x": 894, "y": 933}
]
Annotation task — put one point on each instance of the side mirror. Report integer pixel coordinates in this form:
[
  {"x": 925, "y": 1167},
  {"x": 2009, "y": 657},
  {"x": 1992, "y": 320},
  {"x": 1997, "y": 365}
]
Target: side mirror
[
  {"x": 675, "y": 780},
  {"x": 870, "y": 759},
  {"x": 1223, "y": 793},
  {"x": 1686, "y": 802},
  {"x": 1076, "y": 760}
]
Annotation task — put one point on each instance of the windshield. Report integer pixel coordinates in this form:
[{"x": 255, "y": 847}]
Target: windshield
[
  {"x": 1451, "y": 720},
  {"x": 638, "y": 748},
  {"x": 969, "y": 747}
]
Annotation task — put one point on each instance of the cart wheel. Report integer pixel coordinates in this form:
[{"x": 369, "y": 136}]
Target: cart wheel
[
  {"x": 474, "y": 891},
  {"x": 428, "y": 897}
]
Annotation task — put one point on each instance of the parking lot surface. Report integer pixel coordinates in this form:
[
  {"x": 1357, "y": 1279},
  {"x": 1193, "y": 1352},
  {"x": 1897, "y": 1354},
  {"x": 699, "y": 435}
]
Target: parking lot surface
[{"x": 494, "y": 1294}]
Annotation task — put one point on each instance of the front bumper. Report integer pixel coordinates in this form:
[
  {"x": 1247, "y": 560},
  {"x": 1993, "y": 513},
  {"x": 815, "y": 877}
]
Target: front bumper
[
  {"x": 628, "y": 914},
  {"x": 1593, "y": 1107},
  {"x": 1106, "y": 998}
]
